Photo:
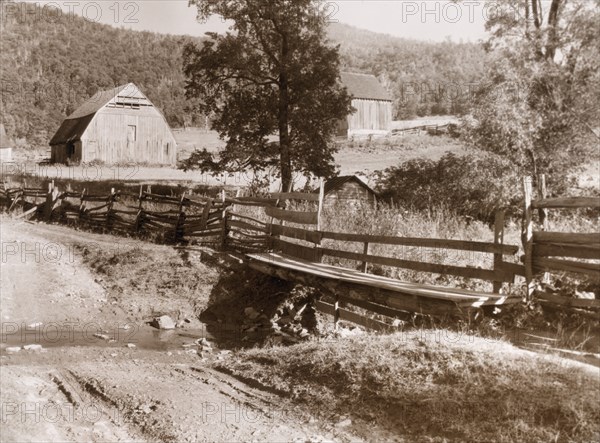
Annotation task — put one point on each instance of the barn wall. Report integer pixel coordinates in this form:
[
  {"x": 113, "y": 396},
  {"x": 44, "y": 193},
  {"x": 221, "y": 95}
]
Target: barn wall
[
  {"x": 371, "y": 115},
  {"x": 6, "y": 154},
  {"x": 58, "y": 153},
  {"x": 349, "y": 194},
  {"x": 107, "y": 138}
]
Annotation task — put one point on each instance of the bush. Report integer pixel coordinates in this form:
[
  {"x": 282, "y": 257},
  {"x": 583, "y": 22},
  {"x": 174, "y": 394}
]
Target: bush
[{"x": 468, "y": 185}]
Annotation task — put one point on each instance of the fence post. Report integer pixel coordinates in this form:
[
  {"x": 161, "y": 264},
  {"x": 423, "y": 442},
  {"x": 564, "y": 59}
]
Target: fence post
[
  {"x": 224, "y": 230},
  {"x": 527, "y": 236},
  {"x": 319, "y": 254},
  {"x": 499, "y": 240},
  {"x": 81, "y": 207},
  {"x": 49, "y": 201},
  {"x": 138, "y": 217},
  {"x": 543, "y": 214},
  {"x": 109, "y": 215},
  {"x": 365, "y": 264},
  {"x": 180, "y": 220}
]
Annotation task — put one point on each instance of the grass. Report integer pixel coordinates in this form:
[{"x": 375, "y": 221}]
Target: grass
[{"x": 431, "y": 385}]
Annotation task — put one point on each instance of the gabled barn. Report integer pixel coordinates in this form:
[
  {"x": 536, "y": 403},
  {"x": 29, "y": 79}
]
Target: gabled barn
[
  {"x": 114, "y": 126},
  {"x": 347, "y": 190},
  {"x": 373, "y": 104}
]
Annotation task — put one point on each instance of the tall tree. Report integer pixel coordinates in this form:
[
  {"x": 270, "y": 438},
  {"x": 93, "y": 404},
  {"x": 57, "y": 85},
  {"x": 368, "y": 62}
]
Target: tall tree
[
  {"x": 539, "y": 104},
  {"x": 273, "y": 72}
]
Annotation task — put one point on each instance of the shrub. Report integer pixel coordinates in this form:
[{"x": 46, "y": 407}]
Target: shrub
[{"x": 468, "y": 185}]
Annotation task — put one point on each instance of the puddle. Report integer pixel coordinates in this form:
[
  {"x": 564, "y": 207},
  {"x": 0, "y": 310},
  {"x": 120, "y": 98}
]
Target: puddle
[{"x": 143, "y": 337}]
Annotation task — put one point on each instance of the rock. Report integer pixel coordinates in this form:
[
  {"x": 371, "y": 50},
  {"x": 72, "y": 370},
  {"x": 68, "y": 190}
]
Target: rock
[
  {"x": 301, "y": 310},
  {"x": 13, "y": 349},
  {"x": 163, "y": 322},
  {"x": 585, "y": 295},
  {"x": 102, "y": 336},
  {"x": 304, "y": 333},
  {"x": 343, "y": 423},
  {"x": 397, "y": 323},
  {"x": 131, "y": 346},
  {"x": 32, "y": 347},
  {"x": 285, "y": 320},
  {"x": 114, "y": 354},
  {"x": 251, "y": 313},
  {"x": 203, "y": 342}
]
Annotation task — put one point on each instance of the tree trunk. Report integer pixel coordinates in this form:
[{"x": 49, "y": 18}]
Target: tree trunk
[{"x": 284, "y": 135}]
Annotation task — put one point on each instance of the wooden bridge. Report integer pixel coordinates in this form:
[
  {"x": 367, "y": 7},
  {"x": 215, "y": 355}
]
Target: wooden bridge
[{"x": 281, "y": 236}]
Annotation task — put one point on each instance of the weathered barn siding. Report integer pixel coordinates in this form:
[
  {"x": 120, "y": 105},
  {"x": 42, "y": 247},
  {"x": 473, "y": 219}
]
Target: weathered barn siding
[
  {"x": 370, "y": 115},
  {"x": 347, "y": 191},
  {"x": 372, "y": 104},
  {"x": 116, "y": 126},
  {"x": 107, "y": 137}
]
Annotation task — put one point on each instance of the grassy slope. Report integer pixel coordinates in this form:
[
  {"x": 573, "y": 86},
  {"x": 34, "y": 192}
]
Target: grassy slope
[{"x": 428, "y": 385}]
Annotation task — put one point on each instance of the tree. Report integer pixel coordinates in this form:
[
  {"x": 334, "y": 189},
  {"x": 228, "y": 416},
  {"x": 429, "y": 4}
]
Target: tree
[
  {"x": 273, "y": 72},
  {"x": 538, "y": 105}
]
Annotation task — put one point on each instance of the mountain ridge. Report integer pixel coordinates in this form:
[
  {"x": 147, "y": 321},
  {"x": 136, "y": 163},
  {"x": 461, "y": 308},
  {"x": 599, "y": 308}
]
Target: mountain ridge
[{"x": 48, "y": 68}]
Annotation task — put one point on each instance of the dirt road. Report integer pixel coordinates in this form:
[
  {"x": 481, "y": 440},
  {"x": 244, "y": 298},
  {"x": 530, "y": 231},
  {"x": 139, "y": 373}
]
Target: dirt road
[{"x": 122, "y": 384}]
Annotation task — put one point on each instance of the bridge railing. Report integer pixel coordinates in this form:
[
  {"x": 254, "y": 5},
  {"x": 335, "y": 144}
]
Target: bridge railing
[{"x": 548, "y": 252}]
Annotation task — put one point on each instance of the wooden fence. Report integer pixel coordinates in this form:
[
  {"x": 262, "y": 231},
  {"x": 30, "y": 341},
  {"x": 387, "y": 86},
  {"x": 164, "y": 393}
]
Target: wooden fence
[
  {"x": 557, "y": 252},
  {"x": 223, "y": 222}
]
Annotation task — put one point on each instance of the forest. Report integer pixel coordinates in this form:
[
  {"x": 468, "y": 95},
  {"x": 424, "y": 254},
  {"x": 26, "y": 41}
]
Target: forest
[{"x": 49, "y": 67}]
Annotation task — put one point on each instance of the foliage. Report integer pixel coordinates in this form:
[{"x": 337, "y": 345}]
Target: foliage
[
  {"x": 273, "y": 72},
  {"x": 50, "y": 66},
  {"x": 538, "y": 106},
  {"x": 424, "y": 78},
  {"x": 475, "y": 186}
]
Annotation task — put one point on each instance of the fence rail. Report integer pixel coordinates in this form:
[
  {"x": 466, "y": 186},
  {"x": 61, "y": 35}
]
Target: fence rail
[{"x": 216, "y": 222}]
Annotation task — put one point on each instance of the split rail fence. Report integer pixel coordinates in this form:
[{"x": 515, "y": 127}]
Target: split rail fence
[{"x": 282, "y": 240}]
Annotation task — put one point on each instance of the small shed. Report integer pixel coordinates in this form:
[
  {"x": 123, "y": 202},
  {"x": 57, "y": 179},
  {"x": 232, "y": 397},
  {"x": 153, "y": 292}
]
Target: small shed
[
  {"x": 114, "y": 126},
  {"x": 347, "y": 190},
  {"x": 373, "y": 105},
  {"x": 6, "y": 146}
]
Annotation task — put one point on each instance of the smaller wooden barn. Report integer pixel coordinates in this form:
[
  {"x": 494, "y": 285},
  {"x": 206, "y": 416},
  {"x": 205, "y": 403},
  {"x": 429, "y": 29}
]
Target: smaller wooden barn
[
  {"x": 114, "y": 126},
  {"x": 6, "y": 146},
  {"x": 373, "y": 104},
  {"x": 347, "y": 190}
]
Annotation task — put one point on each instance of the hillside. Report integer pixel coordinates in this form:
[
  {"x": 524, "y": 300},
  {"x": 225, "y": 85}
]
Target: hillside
[{"x": 49, "y": 67}]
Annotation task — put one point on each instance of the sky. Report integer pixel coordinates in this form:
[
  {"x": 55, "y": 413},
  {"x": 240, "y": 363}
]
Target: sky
[{"x": 433, "y": 20}]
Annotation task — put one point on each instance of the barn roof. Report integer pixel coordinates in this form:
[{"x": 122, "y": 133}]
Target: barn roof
[
  {"x": 96, "y": 102},
  {"x": 73, "y": 127},
  {"x": 364, "y": 86},
  {"x": 335, "y": 183}
]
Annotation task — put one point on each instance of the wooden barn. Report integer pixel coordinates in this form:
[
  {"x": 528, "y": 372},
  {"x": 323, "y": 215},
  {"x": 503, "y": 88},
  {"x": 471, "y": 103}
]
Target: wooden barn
[
  {"x": 347, "y": 190},
  {"x": 114, "y": 126},
  {"x": 6, "y": 145},
  {"x": 373, "y": 104}
]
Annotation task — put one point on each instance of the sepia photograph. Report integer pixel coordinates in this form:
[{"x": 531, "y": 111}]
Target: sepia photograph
[{"x": 300, "y": 221}]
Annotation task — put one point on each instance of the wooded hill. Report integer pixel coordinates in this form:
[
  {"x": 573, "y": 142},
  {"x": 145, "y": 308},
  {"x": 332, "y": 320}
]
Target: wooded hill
[{"x": 49, "y": 67}]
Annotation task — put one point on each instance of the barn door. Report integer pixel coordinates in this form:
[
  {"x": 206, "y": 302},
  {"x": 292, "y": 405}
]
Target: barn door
[{"x": 131, "y": 139}]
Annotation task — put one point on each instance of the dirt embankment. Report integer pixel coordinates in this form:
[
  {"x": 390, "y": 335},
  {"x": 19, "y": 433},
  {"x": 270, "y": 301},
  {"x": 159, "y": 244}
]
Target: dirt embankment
[{"x": 102, "y": 373}]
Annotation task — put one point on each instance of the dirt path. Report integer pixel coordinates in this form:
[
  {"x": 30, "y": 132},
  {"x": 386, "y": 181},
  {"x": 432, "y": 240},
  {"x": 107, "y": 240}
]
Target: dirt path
[{"x": 95, "y": 390}]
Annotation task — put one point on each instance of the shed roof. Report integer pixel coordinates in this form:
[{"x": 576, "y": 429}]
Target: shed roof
[
  {"x": 335, "y": 183},
  {"x": 365, "y": 86}
]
